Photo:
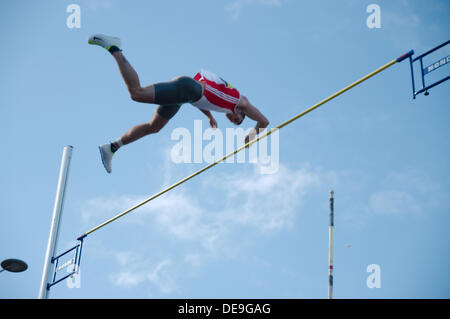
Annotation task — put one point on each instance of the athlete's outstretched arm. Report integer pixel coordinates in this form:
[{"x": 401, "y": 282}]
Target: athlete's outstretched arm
[
  {"x": 212, "y": 120},
  {"x": 252, "y": 112}
]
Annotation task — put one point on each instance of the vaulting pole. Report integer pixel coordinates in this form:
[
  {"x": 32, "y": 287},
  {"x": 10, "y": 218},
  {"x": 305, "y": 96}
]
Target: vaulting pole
[
  {"x": 330, "y": 247},
  {"x": 267, "y": 133}
]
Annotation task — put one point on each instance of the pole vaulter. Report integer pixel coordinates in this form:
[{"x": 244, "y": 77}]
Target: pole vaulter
[
  {"x": 267, "y": 133},
  {"x": 78, "y": 248}
]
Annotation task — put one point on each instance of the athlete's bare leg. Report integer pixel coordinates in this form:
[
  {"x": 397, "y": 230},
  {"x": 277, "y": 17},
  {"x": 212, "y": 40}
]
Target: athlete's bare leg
[
  {"x": 131, "y": 78},
  {"x": 141, "y": 130}
]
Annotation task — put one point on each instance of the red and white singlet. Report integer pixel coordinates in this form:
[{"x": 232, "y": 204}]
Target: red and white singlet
[{"x": 218, "y": 95}]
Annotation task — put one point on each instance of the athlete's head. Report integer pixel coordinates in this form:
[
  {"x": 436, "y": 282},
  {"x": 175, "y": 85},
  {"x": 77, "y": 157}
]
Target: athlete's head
[{"x": 236, "y": 118}]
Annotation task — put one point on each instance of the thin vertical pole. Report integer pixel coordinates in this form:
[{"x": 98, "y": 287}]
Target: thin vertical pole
[
  {"x": 54, "y": 228},
  {"x": 421, "y": 73},
  {"x": 412, "y": 77},
  {"x": 330, "y": 250}
]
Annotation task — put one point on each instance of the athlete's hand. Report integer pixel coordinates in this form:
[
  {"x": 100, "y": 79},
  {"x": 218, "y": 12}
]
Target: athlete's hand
[
  {"x": 250, "y": 136},
  {"x": 212, "y": 123}
]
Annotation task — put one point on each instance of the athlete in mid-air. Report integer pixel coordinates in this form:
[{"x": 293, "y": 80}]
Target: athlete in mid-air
[{"x": 205, "y": 90}]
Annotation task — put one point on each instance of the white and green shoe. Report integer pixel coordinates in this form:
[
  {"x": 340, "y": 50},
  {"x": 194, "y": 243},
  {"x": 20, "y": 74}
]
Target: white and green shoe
[
  {"x": 105, "y": 41},
  {"x": 106, "y": 154}
]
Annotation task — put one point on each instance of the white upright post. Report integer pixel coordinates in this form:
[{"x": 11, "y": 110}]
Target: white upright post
[
  {"x": 54, "y": 228},
  {"x": 330, "y": 249}
]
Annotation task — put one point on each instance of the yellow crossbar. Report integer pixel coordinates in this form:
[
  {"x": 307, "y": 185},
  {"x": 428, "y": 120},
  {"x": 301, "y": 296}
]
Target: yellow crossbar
[{"x": 267, "y": 133}]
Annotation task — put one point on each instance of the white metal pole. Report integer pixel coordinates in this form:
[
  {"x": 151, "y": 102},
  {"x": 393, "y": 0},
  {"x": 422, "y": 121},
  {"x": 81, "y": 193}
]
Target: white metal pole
[
  {"x": 54, "y": 228},
  {"x": 330, "y": 245}
]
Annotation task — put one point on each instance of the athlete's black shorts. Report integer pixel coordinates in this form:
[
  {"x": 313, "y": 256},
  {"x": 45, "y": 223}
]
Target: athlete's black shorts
[{"x": 171, "y": 95}]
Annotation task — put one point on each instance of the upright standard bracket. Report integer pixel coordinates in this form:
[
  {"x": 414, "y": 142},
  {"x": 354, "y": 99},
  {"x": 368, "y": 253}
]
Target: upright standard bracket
[
  {"x": 426, "y": 70},
  {"x": 73, "y": 262}
]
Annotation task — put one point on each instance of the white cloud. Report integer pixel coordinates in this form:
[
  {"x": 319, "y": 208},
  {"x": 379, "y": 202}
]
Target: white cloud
[
  {"x": 246, "y": 199},
  {"x": 137, "y": 270},
  {"x": 411, "y": 179},
  {"x": 162, "y": 277},
  {"x": 99, "y": 208},
  {"x": 362, "y": 196},
  {"x": 198, "y": 225},
  {"x": 405, "y": 192},
  {"x": 127, "y": 278},
  {"x": 265, "y": 202},
  {"x": 244, "y": 203},
  {"x": 393, "y": 203}
]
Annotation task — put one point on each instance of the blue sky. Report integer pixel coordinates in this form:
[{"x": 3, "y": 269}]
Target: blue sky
[{"x": 231, "y": 232}]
